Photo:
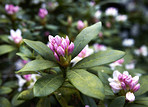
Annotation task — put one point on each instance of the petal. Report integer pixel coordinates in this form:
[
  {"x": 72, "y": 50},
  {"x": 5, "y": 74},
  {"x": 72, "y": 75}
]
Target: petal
[
  {"x": 116, "y": 74},
  {"x": 18, "y": 32},
  {"x": 126, "y": 73},
  {"x": 130, "y": 97}
]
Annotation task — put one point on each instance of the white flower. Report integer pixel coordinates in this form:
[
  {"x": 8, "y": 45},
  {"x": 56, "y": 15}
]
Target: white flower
[
  {"x": 130, "y": 97},
  {"x": 128, "y": 42},
  {"x": 16, "y": 36},
  {"x": 84, "y": 53},
  {"x": 116, "y": 63},
  {"x": 111, "y": 11},
  {"x": 130, "y": 66},
  {"x": 114, "y": 82},
  {"x": 142, "y": 51},
  {"x": 121, "y": 18},
  {"x": 98, "y": 14},
  {"x": 21, "y": 82}
]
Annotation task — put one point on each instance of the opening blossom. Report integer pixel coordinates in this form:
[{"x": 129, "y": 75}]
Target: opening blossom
[
  {"x": 125, "y": 84},
  {"x": 84, "y": 53},
  {"x": 11, "y": 9},
  {"x": 42, "y": 13},
  {"x": 62, "y": 49},
  {"x": 116, "y": 63},
  {"x": 16, "y": 36}
]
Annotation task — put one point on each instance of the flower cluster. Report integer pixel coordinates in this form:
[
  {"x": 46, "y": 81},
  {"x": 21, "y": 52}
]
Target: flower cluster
[
  {"x": 141, "y": 51},
  {"x": 16, "y": 36},
  {"x": 42, "y": 13},
  {"x": 62, "y": 48},
  {"x": 125, "y": 84},
  {"x": 11, "y": 9}
]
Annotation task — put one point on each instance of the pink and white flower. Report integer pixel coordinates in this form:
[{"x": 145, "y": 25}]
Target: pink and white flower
[
  {"x": 84, "y": 53},
  {"x": 11, "y": 9},
  {"x": 128, "y": 42},
  {"x": 16, "y": 36},
  {"x": 42, "y": 13},
  {"x": 99, "y": 47},
  {"x": 116, "y": 63},
  {"x": 143, "y": 51},
  {"x": 111, "y": 11},
  {"x": 121, "y": 18},
  {"x": 126, "y": 83}
]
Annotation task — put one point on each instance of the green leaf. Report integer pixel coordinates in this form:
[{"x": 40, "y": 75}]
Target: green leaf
[
  {"x": 41, "y": 48},
  {"x": 47, "y": 85},
  {"x": 15, "y": 101},
  {"x": 100, "y": 58},
  {"x": 84, "y": 37},
  {"x": 5, "y": 90},
  {"x": 143, "y": 85},
  {"x": 44, "y": 102},
  {"x": 36, "y": 65},
  {"x": 6, "y": 49},
  {"x": 103, "y": 77},
  {"x": 118, "y": 102},
  {"x": 102, "y": 69},
  {"x": 142, "y": 101},
  {"x": 4, "y": 102},
  {"x": 108, "y": 90},
  {"x": 11, "y": 84},
  {"x": 26, "y": 95},
  {"x": 51, "y": 27},
  {"x": 86, "y": 83}
]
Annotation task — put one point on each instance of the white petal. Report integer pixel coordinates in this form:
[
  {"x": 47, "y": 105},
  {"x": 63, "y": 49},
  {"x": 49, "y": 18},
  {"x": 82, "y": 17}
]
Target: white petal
[
  {"x": 12, "y": 33},
  {"x": 18, "y": 32},
  {"x": 116, "y": 74},
  {"x": 130, "y": 97},
  {"x": 126, "y": 73}
]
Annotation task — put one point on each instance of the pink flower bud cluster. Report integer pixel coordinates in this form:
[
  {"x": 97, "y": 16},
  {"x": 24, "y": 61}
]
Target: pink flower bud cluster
[
  {"x": 42, "y": 13},
  {"x": 11, "y": 9},
  {"x": 16, "y": 36},
  {"x": 60, "y": 46},
  {"x": 80, "y": 25},
  {"x": 124, "y": 82}
]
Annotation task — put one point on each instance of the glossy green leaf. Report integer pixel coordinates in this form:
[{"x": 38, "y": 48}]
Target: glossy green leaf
[
  {"x": 143, "y": 85},
  {"x": 5, "y": 90},
  {"x": 26, "y": 95},
  {"x": 47, "y": 85},
  {"x": 108, "y": 91},
  {"x": 36, "y": 65},
  {"x": 142, "y": 101},
  {"x": 102, "y": 68},
  {"x": 84, "y": 37},
  {"x": 86, "y": 83},
  {"x": 44, "y": 102},
  {"x": 11, "y": 84},
  {"x": 4, "y": 102},
  {"x": 6, "y": 49},
  {"x": 118, "y": 102},
  {"x": 100, "y": 58},
  {"x": 41, "y": 48}
]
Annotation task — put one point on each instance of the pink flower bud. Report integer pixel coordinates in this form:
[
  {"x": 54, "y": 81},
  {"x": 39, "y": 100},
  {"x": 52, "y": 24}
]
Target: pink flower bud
[
  {"x": 51, "y": 39},
  {"x": 64, "y": 44},
  {"x": 67, "y": 40},
  {"x": 11, "y": 9},
  {"x": 42, "y": 13},
  {"x": 135, "y": 79},
  {"x": 55, "y": 46},
  {"x": 87, "y": 106},
  {"x": 56, "y": 56},
  {"x": 124, "y": 77},
  {"x": 130, "y": 97},
  {"x": 60, "y": 51},
  {"x": 80, "y": 25},
  {"x": 51, "y": 47},
  {"x": 123, "y": 85},
  {"x": 58, "y": 40},
  {"x": 128, "y": 80},
  {"x": 120, "y": 77},
  {"x": 136, "y": 88},
  {"x": 70, "y": 48}
]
